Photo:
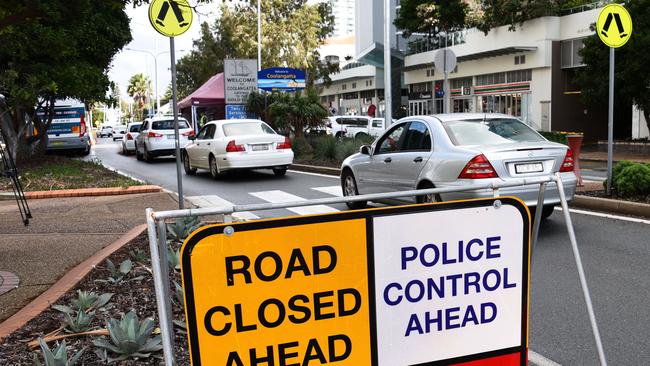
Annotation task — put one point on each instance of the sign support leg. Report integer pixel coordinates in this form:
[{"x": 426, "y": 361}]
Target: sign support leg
[
  {"x": 179, "y": 175},
  {"x": 162, "y": 293},
  {"x": 610, "y": 123},
  {"x": 581, "y": 272},
  {"x": 538, "y": 217}
]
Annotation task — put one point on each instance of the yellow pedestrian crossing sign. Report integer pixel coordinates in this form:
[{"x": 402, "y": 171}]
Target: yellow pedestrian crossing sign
[
  {"x": 614, "y": 25},
  {"x": 170, "y": 23}
]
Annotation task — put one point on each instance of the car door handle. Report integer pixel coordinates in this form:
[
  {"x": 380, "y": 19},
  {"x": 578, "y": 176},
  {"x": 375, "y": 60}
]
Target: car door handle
[
  {"x": 208, "y": 144},
  {"x": 418, "y": 159},
  {"x": 388, "y": 160}
]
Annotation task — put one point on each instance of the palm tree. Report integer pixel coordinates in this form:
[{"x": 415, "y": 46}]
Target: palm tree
[{"x": 139, "y": 86}]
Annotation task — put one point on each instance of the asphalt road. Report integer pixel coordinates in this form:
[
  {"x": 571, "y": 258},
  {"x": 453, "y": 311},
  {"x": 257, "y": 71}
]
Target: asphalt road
[{"x": 615, "y": 256}]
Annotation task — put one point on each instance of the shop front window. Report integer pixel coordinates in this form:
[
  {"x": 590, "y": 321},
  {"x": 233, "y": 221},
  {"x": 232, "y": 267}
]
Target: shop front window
[
  {"x": 465, "y": 105},
  {"x": 510, "y": 104}
]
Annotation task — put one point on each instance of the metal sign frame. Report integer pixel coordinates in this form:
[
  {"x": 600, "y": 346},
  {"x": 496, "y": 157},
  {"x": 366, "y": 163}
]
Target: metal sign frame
[{"x": 157, "y": 231}]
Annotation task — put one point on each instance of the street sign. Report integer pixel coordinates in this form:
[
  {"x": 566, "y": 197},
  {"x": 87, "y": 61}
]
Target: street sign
[
  {"x": 240, "y": 80},
  {"x": 170, "y": 23},
  {"x": 614, "y": 25},
  {"x": 281, "y": 79},
  {"x": 445, "y": 60},
  {"x": 385, "y": 287},
  {"x": 237, "y": 111}
]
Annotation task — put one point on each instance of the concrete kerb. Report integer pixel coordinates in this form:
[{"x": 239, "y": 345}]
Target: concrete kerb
[
  {"x": 579, "y": 201},
  {"x": 65, "y": 284},
  {"x": 85, "y": 192}
]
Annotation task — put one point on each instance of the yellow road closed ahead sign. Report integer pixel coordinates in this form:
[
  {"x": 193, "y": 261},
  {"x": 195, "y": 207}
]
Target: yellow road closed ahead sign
[
  {"x": 170, "y": 18},
  {"x": 614, "y": 25},
  {"x": 386, "y": 287}
]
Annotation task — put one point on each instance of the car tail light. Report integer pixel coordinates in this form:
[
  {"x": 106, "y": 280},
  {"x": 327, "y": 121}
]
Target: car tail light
[
  {"x": 154, "y": 135},
  {"x": 233, "y": 147},
  {"x": 567, "y": 164},
  {"x": 82, "y": 130},
  {"x": 189, "y": 133},
  {"x": 129, "y": 136},
  {"x": 285, "y": 145},
  {"x": 478, "y": 168}
]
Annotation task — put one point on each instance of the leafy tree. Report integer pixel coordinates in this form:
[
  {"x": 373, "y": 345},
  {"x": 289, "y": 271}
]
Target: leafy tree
[
  {"x": 290, "y": 113},
  {"x": 49, "y": 50},
  {"x": 631, "y": 73},
  {"x": 138, "y": 89},
  {"x": 431, "y": 16}
]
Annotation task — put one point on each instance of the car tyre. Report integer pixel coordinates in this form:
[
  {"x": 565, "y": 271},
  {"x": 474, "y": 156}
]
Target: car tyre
[
  {"x": 547, "y": 211},
  {"x": 138, "y": 156},
  {"x": 349, "y": 187},
  {"x": 428, "y": 198},
  {"x": 86, "y": 151},
  {"x": 279, "y": 172},
  {"x": 214, "y": 168},
  {"x": 187, "y": 166},
  {"x": 147, "y": 155}
]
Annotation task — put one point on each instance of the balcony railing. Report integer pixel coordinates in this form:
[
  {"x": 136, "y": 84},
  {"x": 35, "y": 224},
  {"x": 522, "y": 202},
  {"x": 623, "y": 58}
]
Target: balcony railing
[{"x": 426, "y": 44}]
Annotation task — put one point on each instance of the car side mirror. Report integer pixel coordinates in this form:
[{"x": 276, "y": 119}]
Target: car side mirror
[{"x": 365, "y": 150}]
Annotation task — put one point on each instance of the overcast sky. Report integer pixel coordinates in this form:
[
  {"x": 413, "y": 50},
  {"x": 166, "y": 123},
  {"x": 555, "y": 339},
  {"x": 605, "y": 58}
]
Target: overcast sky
[{"x": 127, "y": 63}]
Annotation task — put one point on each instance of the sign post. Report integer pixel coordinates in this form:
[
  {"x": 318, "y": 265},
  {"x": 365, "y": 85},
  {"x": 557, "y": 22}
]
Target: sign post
[
  {"x": 352, "y": 288},
  {"x": 445, "y": 61},
  {"x": 172, "y": 25},
  {"x": 614, "y": 37}
]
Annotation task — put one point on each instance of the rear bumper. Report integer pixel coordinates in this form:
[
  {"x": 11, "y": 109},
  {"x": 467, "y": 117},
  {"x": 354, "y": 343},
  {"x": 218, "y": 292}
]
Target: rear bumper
[
  {"x": 165, "y": 147},
  {"x": 257, "y": 161},
  {"x": 129, "y": 145},
  {"x": 528, "y": 194},
  {"x": 68, "y": 143}
]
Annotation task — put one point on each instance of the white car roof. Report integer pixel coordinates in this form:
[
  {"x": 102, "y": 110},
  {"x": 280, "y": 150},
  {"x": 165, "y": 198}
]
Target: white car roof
[
  {"x": 224, "y": 121},
  {"x": 164, "y": 118},
  {"x": 464, "y": 116}
]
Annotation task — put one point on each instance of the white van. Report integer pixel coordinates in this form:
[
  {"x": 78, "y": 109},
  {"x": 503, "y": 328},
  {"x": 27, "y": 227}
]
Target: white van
[
  {"x": 68, "y": 129},
  {"x": 355, "y": 126}
]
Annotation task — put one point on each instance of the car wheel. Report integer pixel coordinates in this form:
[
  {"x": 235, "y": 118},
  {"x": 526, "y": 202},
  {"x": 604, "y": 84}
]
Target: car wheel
[
  {"x": 279, "y": 171},
  {"x": 349, "y": 187},
  {"x": 428, "y": 198},
  {"x": 138, "y": 156},
  {"x": 362, "y": 136},
  {"x": 214, "y": 168},
  {"x": 187, "y": 166},
  {"x": 338, "y": 135},
  {"x": 147, "y": 155},
  {"x": 86, "y": 151}
]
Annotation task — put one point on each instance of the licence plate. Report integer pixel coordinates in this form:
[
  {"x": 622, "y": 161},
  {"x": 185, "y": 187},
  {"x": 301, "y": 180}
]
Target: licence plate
[
  {"x": 171, "y": 137},
  {"x": 260, "y": 147},
  {"x": 57, "y": 143},
  {"x": 529, "y": 168}
]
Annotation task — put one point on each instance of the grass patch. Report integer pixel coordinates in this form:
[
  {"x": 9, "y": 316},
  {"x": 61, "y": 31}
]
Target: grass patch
[{"x": 47, "y": 173}]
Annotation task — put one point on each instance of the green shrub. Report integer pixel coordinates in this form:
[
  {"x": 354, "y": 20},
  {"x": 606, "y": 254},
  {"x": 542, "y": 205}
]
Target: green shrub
[
  {"x": 325, "y": 148},
  {"x": 617, "y": 169},
  {"x": 555, "y": 137},
  {"x": 633, "y": 180},
  {"x": 301, "y": 148}
]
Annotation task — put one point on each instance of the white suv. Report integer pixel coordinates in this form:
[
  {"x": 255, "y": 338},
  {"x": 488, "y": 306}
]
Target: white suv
[
  {"x": 157, "y": 138},
  {"x": 355, "y": 126}
]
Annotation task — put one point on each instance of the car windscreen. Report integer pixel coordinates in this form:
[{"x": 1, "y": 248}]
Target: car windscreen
[
  {"x": 490, "y": 131},
  {"x": 168, "y": 124},
  {"x": 135, "y": 128},
  {"x": 247, "y": 128}
]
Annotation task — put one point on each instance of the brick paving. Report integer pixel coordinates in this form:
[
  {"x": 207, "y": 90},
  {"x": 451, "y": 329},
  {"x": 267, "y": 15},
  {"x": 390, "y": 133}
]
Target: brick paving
[{"x": 8, "y": 282}]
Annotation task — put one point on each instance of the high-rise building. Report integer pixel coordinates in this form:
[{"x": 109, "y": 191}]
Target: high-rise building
[{"x": 344, "y": 18}]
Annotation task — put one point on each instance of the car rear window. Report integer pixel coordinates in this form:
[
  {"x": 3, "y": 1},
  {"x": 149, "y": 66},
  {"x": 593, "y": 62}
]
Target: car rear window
[
  {"x": 247, "y": 128},
  {"x": 135, "y": 128},
  {"x": 490, "y": 131},
  {"x": 168, "y": 125}
]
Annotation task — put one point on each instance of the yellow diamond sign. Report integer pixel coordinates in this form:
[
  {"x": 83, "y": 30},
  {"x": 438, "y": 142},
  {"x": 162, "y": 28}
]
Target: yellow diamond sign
[
  {"x": 614, "y": 25},
  {"x": 170, "y": 18}
]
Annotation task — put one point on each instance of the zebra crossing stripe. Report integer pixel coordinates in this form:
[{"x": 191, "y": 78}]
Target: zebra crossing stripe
[
  {"x": 333, "y": 190},
  {"x": 216, "y": 201},
  {"x": 283, "y": 197}
]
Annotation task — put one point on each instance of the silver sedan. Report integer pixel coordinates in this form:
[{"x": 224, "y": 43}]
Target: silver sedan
[{"x": 454, "y": 150}]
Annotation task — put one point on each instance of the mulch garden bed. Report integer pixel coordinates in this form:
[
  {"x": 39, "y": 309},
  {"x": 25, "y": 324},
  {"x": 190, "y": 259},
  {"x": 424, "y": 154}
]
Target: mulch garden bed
[{"x": 136, "y": 294}]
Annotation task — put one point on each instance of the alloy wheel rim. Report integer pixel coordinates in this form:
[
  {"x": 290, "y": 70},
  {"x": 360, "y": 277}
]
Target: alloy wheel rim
[
  {"x": 350, "y": 188},
  {"x": 213, "y": 167}
]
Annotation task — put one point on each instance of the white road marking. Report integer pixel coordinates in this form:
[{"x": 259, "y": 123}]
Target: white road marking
[
  {"x": 216, "y": 201},
  {"x": 282, "y": 197},
  {"x": 540, "y": 360},
  {"x": 607, "y": 216},
  {"x": 333, "y": 190},
  {"x": 315, "y": 174},
  {"x": 590, "y": 178}
]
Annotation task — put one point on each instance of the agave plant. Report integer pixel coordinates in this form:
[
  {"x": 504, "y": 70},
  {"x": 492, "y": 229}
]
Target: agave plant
[
  {"x": 178, "y": 295},
  {"x": 139, "y": 256},
  {"x": 85, "y": 301},
  {"x": 129, "y": 338},
  {"x": 56, "y": 357},
  {"x": 174, "y": 259},
  {"x": 81, "y": 322},
  {"x": 182, "y": 228},
  {"x": 119, "y": 274}
]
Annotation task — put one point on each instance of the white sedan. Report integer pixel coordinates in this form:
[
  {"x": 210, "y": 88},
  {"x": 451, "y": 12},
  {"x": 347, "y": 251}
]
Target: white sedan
[{"x": 237, "y": 144}]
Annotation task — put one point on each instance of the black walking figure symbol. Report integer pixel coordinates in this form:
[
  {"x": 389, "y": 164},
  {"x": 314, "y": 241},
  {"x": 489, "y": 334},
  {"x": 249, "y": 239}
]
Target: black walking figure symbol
[
  {"x": 619, "y": 25},
  {"x": 177, "y": 12}
]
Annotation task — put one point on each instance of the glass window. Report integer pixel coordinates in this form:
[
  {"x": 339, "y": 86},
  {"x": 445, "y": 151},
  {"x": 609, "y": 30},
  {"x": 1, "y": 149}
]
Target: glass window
[
  {"x": 247, "y": 128},
  {"x": 135, "y": 128},
  {"x": 378, "y": 123},
  {"x": 489, "y": 131},
  {"x": 418, "y": 138},
  {"x": 206, "y": 133},
  {"x": 392, "y": 141},
  {"x": 144, "y": 127},
  {"x": 168, "y": 124}
]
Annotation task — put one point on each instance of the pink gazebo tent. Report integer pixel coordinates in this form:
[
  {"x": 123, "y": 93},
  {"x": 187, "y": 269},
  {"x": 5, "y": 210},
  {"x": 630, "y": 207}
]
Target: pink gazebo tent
[{"x": 209, "y": 95}]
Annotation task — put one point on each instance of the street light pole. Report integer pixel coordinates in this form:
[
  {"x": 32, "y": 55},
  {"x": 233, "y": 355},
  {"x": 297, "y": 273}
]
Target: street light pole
[
  {"x": 259, "y": 35},
  {"x": 388, "y": 84}
]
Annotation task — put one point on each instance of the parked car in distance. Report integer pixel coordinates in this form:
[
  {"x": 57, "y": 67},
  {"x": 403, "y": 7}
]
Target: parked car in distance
[
  {"x": 118, "y": 132},
  {"x": 454, "y": 150},
  {"x": 355, "y": 126},
  {"x": 128, "y": 142},
  {"x": 105, "y": 131},
  {"x": 237, "y": 144},
  {"x": 68, "y": 130},
  {"x": 157, "y": 137}
]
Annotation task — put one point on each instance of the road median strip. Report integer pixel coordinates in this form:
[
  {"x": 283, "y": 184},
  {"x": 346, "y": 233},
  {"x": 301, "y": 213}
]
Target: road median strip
[{"x": 86, "y": 192}]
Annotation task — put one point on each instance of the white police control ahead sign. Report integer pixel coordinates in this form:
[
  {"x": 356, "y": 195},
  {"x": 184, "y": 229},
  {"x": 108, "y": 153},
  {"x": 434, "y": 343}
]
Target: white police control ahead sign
[{"x": 434, "y": 284}]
